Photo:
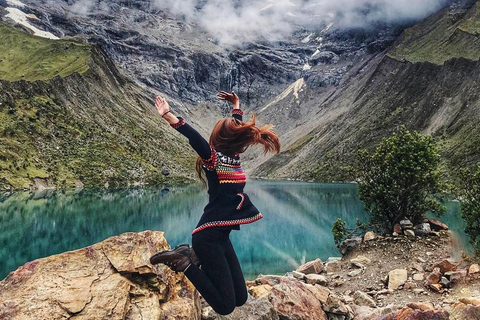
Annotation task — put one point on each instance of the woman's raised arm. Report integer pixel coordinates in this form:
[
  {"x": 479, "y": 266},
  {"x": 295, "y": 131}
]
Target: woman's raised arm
[{"x": 198, "y": 143}]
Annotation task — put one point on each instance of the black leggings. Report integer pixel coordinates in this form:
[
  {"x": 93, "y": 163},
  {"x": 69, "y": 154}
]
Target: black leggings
[{"x": 220, "y": 280}]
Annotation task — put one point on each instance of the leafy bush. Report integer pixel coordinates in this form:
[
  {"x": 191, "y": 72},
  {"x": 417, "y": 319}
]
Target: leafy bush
[
  {"x": 398, "y": 180},
  {"x": 469, "y": 193},
  {"x": 339, "y": 231}
]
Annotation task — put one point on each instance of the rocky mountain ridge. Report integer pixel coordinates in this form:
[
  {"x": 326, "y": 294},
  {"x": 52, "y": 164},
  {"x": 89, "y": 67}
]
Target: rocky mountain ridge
[{"x": 327, "y": 90}]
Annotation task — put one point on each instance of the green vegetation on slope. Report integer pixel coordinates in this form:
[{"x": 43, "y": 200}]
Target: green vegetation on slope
[
  {"x": 89, "y": 128},
  {"x": 441, "y": 38},
  {"x": 27, "y": 57}
]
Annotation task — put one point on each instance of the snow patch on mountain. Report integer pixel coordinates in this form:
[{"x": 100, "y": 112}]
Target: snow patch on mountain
[{"x": 22, "y": 18}]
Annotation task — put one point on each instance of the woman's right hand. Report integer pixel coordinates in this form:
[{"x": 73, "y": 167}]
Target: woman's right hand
[{"x": 162, "y": 106}]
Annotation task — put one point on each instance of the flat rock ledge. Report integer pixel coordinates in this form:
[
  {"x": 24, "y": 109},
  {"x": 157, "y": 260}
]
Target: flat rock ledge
[{"x": 112, "y": 279}]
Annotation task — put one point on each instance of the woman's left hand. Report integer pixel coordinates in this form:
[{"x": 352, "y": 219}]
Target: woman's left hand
[{"x": 230, "y": 97}]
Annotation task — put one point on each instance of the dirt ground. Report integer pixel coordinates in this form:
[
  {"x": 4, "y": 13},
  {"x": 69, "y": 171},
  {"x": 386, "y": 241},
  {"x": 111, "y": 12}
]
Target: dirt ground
[{"x": 389, "y": 253}]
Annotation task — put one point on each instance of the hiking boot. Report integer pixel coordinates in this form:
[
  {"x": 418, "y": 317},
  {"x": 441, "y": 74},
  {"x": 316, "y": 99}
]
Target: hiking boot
[
  {"x": 186, "y": 250},
  {"x": 177, "y": 259}
]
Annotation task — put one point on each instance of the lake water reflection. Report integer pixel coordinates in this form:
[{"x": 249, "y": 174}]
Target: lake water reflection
[{"x": 296, "y": 227}]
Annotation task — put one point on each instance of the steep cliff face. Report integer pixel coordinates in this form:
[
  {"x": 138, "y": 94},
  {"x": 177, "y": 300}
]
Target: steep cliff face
[
  {"x": 68, "y": 118},
  {"x": 428, "y": 80}
]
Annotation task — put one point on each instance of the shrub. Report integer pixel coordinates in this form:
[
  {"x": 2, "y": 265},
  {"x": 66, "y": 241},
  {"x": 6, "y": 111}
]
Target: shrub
[
  {"x": 469, "y": 193},
  {"x": 339, "y": 231},
  {"x": 399, "y": 179}
]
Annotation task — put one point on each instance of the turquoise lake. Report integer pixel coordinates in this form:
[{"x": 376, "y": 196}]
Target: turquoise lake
[{"x": 296, "y": 227}]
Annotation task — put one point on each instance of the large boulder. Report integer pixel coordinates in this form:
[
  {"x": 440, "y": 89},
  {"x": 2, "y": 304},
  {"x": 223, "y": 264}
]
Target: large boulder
[
  {"x": 290, "y": 298},
  {"x": 112, "y": 279}
]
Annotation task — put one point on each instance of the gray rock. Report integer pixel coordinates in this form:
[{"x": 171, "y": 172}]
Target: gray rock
[
  {"x": 298, "y": 275},
  {"x": 326, "y": 57},
  {"x": 363, "y": 299},
  {"x": 316, "y": 279},
  {"x": 406, "y": 224},
  {"x": 445, "y": 282},
  {"x": 355, "y": 273},
  {"x": 409, "y": 233},
  {"x": 422, "y": 229},
  {"x": 350, "y": 244},
  {"x": 360, "y": 261}
]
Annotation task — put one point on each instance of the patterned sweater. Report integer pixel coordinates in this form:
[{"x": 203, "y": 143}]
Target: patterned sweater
[{"x": 228, "y": 205}]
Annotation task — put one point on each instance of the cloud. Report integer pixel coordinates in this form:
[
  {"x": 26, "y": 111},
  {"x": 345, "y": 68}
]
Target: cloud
[{"x": 234, "y": 21}]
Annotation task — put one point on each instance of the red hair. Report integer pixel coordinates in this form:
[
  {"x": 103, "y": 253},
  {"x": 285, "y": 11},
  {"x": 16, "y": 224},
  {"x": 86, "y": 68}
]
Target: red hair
[{"x": 231, "y": 136}]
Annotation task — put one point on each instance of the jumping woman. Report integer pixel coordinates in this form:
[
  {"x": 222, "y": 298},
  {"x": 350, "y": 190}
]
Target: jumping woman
[{"x": 211, "y": 264}]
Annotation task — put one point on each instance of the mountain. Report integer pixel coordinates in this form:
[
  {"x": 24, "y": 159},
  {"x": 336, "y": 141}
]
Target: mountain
[
  {"x": 69, "y": 118},
  {"x": 329, "y": 89},
  {"x": 428, "y": 80}
]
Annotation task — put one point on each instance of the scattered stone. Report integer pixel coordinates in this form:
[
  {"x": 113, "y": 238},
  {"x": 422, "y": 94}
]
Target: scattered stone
[
  {"x": 253, "y": 309},
  {"x": 335, "y": 305},
  {"x": 444, "y": 282},
  {"x": 397, "y": 229},
  {"x": 298, "y": 275},
  {"x": 410, "y": 314},
  {"x": 385, "y": 291},
  {"x": 465, "y": 311},
  {"x": 406, "y": 224},
  {"x": 166, "y": 172},
  {"x": 436, "y": 225},
  {"x": 418, "y": 291},
  {"x": 421, "y": 306},
  {"x": 363, "y": 299},
  {"x": 434, "y": 276},
  {"x": 321, "y": 293},
  {"x": 360, "y": 261},
  {"x": 422, "y": 229},
  {"x": 471, "y": 300},
  {"x": 458, "y": 276},
  {"x": 261, "y": 291},
  {"x": 333, "y": 266},
  {"x": 419, "y": 259},
  {"x": 418, "y": 267},
  {"x": 370, "y": 235},
  {"x": 315, "y": 266},
  {"x": 316, "y": 279},
  {"x": 445, "y": 266},
  {"x": 396, "y": 278},
  {"x": 409, "y": 233},
  {"x": 355, "y": 273},
  {"x": 474, "y": 269},
  {"x": 338, "y": 283},
  {"x": 418, "y": 276},
  {"x": 350, "y": 244},
  {"x": 437, "y": 287},
  {"x": 409, "y": 285}
]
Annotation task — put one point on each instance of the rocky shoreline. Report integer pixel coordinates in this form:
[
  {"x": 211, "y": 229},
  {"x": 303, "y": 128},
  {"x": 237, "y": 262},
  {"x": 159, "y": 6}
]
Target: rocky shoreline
[{"x": 393, "y": 277}]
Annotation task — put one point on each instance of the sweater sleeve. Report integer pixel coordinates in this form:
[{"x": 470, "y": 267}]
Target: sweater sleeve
[
  {"x": 198, "y": 143},
  {"x": 237, "y": 114}
]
